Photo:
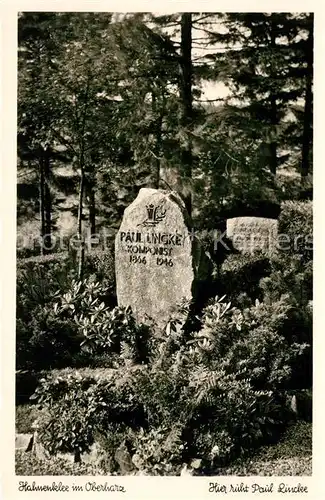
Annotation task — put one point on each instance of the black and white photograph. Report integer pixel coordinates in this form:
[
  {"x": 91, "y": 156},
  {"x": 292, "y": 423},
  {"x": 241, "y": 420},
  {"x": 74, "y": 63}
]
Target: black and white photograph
[{"x": 164, "y": 248}]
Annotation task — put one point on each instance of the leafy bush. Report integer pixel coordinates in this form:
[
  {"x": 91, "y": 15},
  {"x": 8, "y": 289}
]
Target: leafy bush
[
  {"x": 159, "y": 451},
  {"x": 249, "y": 344},
  {"x": 292, "y": 278},
  {"x": 46, "y": 337},
  {"x": 53, "y": 335},
  {"x": 289, "y": 276},
  {"x": 213, "y": 394},
  {"x": 296, "y": 221},
  {"x": 39, "y": 337},
  {"x": 47, "y": 341},
  {"x": 103, "y": 329},
  {"x": 101, "y": 264},
  {"x": 39, "y": 277},
  {"x": 240, "y": 276},
  {"x": 78, "y": 407}
]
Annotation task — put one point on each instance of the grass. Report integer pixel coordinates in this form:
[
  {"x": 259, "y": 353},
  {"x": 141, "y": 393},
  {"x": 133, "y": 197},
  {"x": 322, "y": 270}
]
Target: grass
[
  {"x": 27, "y": 464},
  {"x": 296, "y": 442},
  {"x": 291, "y": 456},
  {"x": 295, "y": 466}
]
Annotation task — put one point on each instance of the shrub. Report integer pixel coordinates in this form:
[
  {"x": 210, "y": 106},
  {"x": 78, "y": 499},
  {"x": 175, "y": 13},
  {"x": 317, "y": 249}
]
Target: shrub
[
  {"x": 296, "y": 221},
  {"x": 159, "y": 451},
  {"x": 38, "y": 279},
  {"x": 211, "y": 394},
  {"x": 69, "y": 425},
  {"x": 78, "y": 407},
  {"x": 233, "y": 418},
  {"x": 241, "y": 275},
  {"x": 52, "y": 337},
  {"x": 25, "y": 416},
  {"x": 45, "y": 337},
  {"x": 247, "y": 343},
  {"x": 102, "y": 265},
  {"x": 102, "y": 329},
  {"x": 292, "y": 278},
  {"x": 46, "y": 340}
]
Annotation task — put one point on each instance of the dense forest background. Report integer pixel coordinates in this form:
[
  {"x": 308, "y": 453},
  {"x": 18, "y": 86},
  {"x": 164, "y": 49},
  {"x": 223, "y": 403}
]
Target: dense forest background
[{"x": 109, "y": 103}]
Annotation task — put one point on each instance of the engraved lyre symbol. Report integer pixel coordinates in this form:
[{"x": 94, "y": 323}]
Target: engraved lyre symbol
[{"x": 155, "y": 215}]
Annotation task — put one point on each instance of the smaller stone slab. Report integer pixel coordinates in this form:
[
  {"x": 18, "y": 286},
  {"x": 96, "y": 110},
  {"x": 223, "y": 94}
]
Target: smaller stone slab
[
  {"x": 23, "y": 442},
  {"x": 252, "y": 234}
]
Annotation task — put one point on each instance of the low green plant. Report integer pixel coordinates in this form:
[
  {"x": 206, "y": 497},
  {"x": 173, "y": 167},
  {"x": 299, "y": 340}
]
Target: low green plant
[
  {"x": 68, "y": 423},
  {"x": 291, "y": 279},
  {"x": 46, "y": 341},
  {"x": 102, "y": 329},
  {"x": 159, "y": 450},
  {"x": 241, "y": 274},
  {"x": 101, "y": 264},
  {"x": 38, "y": 279},
  {"x": 296, "y": 222},
  {"x": 71, "y": 323},
  {"x": 218, "y": 392}
]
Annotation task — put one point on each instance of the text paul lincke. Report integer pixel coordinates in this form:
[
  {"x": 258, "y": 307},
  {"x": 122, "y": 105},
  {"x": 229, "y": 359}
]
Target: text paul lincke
[{"x": 257, "y": 488}]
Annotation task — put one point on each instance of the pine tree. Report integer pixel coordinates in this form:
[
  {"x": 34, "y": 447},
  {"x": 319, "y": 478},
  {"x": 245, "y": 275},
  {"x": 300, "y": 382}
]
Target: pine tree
[{"x": 266, "y": 65}]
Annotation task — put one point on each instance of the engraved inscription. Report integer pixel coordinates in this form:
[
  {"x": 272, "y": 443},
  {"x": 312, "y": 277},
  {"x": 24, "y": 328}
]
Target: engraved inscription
[{"x": 141, "y": 245}]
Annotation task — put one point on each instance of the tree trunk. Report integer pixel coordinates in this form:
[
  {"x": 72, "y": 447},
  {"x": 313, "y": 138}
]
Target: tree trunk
[
  {"x": 157, "y": 173},
  {"x": 186, "y": 102},
  {"x": 47, "y": 201},
  {"x": 82, "y": 182},
  {"x": 158, "y": 152},
  {"x": 157, "y": 140},
  {"x": 41, "y": 203},
  {"x": 307, "y": 137},
  {"x": 81, "y": 248},
  {"x": 274, "y": 117},
  {"x": 92, "y": 209}
]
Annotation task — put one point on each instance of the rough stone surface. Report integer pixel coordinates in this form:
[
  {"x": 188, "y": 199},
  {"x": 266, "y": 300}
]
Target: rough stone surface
[
  {"x": 249, "y": 234},
  {"x": 38, "y": 448},
  {"x": 157, "y": 260},
  {"x": 97, "y": 455},
  {"x": 23, "y": 441}
]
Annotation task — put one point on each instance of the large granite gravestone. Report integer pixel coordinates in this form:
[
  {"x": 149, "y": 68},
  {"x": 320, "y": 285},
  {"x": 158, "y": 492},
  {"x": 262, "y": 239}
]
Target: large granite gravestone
[
  {"x": 158, "y": 262},
  {"x": 250, "y": 234}
]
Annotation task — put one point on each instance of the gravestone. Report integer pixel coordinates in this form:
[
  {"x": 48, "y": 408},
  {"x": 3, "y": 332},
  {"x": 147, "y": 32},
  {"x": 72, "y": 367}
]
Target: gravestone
[
  {"x": 158, "y": 261},
  {"x": 249, "y": 234}
]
